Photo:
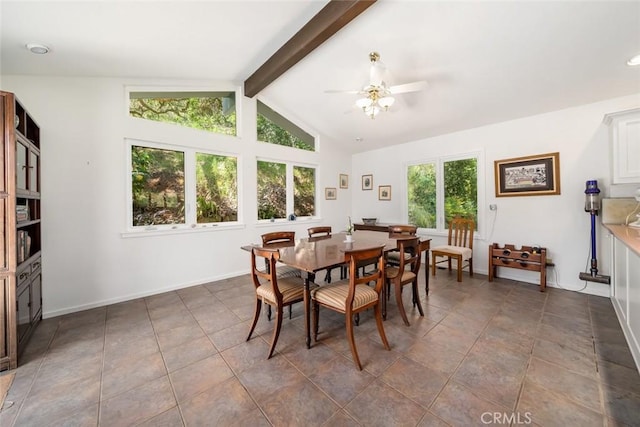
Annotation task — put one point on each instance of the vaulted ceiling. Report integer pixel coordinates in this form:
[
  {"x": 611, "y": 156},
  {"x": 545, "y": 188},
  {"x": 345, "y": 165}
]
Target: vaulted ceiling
[{"x": 485, "y": 62}]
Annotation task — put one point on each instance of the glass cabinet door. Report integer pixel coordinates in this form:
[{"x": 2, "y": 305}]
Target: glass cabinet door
[
  {"x": 34, "y": 167},
  {"x": 21, "y": 166}
]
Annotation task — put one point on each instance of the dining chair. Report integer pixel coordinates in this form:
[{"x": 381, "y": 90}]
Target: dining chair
[
  {"x": 354, "y": 295},
  {"x": 276, "y": 292},
  {"x": 395, "y": 232},
  {"x": 319, "y": 233},
  {"x": 279, "y": 239},
  {"x": 459, "y": 247},
  {"x": 403, "y": 274}
]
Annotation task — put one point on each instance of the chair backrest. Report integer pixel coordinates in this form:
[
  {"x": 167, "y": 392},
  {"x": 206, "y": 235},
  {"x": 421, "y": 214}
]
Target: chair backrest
[
  {"x": 262, "y": 277},
  {"x": 402, "y": 230},
  {"x": 410, "y": 246},
  {"x": 355, "y": 258},
  {"x": 321, "y": 231},
  {"x": 279, "y": 238},
  {"x": 461, "y": 232}
]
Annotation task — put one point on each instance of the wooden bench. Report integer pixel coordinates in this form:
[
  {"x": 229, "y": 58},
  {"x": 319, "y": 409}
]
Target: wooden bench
[{"x": 526, "y": 258}]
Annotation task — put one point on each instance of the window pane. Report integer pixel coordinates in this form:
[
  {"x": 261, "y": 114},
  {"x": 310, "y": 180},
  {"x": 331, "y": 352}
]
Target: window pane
[
  {"x": 276, "y": 129},
  {"x": 210, "y": 111},
  {"x": 272, "y": 190},
  {"x": 421, "y": 187},
  {"x": 216, "y": 188},
  {"x": 460, "y": 189},
  {"x": 304, "y": 191},
  {"x": 157, "y": 182}
]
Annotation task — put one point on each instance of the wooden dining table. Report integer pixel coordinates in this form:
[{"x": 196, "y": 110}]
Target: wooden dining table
[{"x": 313, "y": 254}]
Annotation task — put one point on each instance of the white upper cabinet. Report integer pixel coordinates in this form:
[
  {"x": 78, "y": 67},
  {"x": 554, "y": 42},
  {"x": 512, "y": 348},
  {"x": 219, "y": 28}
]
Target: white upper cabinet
[{"x": 624, "y": 128}]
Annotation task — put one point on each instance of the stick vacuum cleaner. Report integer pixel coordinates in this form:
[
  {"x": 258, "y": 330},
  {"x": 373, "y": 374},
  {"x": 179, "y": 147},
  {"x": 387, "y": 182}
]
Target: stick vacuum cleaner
[{"x": 592, "y": 205}]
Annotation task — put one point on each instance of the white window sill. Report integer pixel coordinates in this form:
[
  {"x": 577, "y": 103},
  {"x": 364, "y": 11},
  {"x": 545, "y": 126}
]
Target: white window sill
[{"x": 180, "y": 229}]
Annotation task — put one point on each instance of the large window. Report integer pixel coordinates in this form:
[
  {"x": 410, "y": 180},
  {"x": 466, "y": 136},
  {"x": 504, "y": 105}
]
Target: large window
[
  {"x": 276, "y": 129},
  {"x": 178, "y": 186},
  {"x": 285, "y": 188},
  {"x": 442, "y": 189},
  {"x": 210, "y": 111}
]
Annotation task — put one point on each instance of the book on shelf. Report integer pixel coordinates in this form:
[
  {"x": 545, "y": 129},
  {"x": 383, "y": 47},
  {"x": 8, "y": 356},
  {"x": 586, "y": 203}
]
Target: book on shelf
[
  {"x": 22, "y": 213},
  {"x": 24, "y": 245}
]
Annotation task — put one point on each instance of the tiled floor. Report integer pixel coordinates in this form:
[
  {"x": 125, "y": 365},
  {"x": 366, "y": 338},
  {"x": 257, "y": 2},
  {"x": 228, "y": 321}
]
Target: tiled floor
[{"x": 485, "y": 353}]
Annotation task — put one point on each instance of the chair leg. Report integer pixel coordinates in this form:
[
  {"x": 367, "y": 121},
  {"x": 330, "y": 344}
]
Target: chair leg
[
  {"x": 449, "y": 262},
  {"x": 383, "y": 336},
  {"x": 384, "y": 299},
  {"x": 316, "y": 319},
  {"x": 459, "y": 261},
  {"x": 289, "y": 312},
  {"x": 255, "y": 318},
  {"x": 352, "y": 342},
  {"x": 433, "y": 264},
  {"x": 269, "y": 313},
  {"x": 276, "y": 331},
  {"x": 400, "y": 304},
  {"x": 471, "y": 267},
  {"x": 416, "y": 297}
]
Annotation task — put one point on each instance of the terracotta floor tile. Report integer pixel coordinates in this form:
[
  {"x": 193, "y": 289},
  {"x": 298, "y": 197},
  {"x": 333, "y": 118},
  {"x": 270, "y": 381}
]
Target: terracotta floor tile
[{"x": 483, "y": 353}]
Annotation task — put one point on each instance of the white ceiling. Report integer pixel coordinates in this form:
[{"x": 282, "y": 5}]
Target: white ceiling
[{"x": 486, "y": 62}]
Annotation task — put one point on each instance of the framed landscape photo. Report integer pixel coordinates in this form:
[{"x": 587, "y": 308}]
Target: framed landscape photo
[
  {"x": 528, "y": 176},
  {"x": 344, "y": 181},
  {"x": 330, "y": 193},
  {"x": 367, "y": 182},
  {"x": 384, "y": 192}
]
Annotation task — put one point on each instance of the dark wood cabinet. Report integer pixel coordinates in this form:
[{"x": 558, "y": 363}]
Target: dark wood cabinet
[{"x": 20, "y": 271}]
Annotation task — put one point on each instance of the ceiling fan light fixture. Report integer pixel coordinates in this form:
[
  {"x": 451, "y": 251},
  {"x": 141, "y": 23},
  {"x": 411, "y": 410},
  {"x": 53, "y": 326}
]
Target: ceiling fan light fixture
[
  {"x": 386, "y": 102},
  {"x": 364, "y": 103},
  {"x": 372, "y": 111}
]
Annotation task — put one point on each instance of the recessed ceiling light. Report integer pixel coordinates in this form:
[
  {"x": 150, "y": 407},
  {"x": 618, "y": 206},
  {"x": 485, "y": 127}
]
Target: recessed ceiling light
[
  {"x": 37, "y": 48},
  {"x": 634, "y": 61},
  {"x": 358, "y": 139}
]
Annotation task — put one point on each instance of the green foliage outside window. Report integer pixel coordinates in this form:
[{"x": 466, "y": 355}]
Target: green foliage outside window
[
  {"x": 210, "y": 113},
  {"x": 304, "y": 191},
  {"x": 272, "y": 190},
  {"x": 460, "y": 192},
  {"x": 216, "y": 188},
  {"x": 276, "y": 129},
  {"x": 157, "y": 186}
]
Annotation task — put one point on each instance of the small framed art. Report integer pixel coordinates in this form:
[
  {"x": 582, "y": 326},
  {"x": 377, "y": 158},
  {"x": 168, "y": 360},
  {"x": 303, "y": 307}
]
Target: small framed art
[
  {"x": 367, "y": 182},
  {"x": 384, "y": 192},
  {"x": 344, "y": 180},
  {"x": 330, "y": 193}
]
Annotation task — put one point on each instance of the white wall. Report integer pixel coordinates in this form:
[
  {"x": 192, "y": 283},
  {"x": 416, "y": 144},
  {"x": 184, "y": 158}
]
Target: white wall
[
  {"x": 86, "y": 260},
  {"x": 558, "y": 223}
]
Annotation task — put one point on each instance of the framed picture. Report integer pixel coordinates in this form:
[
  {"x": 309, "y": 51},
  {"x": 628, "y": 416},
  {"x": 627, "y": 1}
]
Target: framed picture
[
  {"x": 330, "y": 193},
  {"x": 528, "y": 176},
  {"x": 367, "y": 182},
  {"x": 384, "y": 192},
  {"x": 344, "y": 181}
]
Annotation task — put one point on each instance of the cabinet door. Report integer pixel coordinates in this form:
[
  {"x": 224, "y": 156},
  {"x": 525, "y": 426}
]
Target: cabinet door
[
  {"x": 4, "y": 308},
  {"x": 625, "y": 138},
  {"x": 34, "y": 170},
  {"x": 23, "y": 315},
  {"x": 21, "y": 166},
  {"x": 36, "y": 298}
]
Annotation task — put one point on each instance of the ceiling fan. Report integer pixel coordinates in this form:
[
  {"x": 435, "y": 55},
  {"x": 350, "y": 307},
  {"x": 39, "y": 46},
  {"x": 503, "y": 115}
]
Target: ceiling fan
[{"x": 377, "y": 95}]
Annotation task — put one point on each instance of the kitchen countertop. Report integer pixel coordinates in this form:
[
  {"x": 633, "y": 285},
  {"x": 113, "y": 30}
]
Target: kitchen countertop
[{"x": 630, "y": 236}]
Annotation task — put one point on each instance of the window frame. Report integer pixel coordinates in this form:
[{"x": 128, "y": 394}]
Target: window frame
[
  {"x": 190, "y": 182},
  {"x": 439, "y": 162},
  {"x": 289, "y": 180}
]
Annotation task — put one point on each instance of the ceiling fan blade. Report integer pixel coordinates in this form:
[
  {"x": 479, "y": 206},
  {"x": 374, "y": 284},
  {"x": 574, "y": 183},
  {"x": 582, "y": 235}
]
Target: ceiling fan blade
[
  {"x": 408, "y": 87},
  {"x": 343, "y": 91}
]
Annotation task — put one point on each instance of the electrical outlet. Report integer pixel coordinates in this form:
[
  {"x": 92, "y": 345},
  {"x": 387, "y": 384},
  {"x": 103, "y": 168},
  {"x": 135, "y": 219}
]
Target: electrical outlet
[{"x": 493, "y": 207}]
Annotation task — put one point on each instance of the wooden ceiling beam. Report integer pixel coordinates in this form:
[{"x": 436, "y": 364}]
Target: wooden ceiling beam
[{"x": 333, "y": 17}]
